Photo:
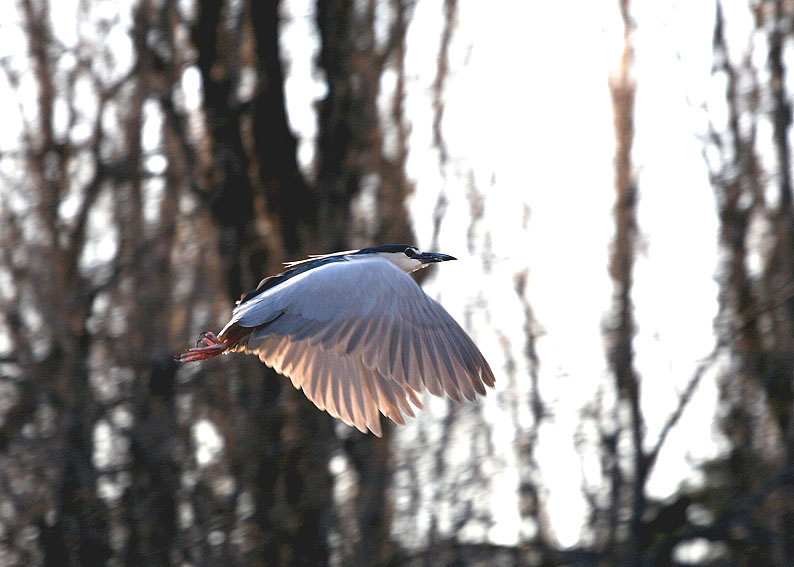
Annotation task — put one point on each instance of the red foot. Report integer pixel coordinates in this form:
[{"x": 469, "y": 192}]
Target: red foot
[
  {"x": 213, "y": 346},
  {"x": 208, "y": 338}
]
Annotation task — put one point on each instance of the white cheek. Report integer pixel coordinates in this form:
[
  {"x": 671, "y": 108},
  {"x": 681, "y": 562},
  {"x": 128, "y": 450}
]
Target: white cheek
[
  {"x": 409, "y": 264},
  {"x": 403, "y": 262}
]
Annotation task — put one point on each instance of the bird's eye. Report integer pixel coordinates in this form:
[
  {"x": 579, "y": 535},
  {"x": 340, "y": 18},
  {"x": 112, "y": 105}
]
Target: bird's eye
[{"x": 409, "y": 252}]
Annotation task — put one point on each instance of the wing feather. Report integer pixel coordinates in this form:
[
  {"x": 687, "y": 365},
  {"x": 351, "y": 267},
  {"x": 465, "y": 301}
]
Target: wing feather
[
  {"x": 384, "y": 341},
  {"x": 413, "y": 397},
  {"x": 395, "y": 356},
  {"x": 368, "y": 380},
  {"x": 370, "y": 349},
  {"x": 448, "y": 369},
  {"x": 312, "y": 378},
  {"x": 434, "y": 375},
  {"x": 363, "y": 415},
  {"x": 372, "y": 405},
  {"x": 337, "y": 390},
  {"x": 328, "y": 384},
  {"x": 353, "y": 396},
  {"x": 471, "y": 360},
  {"x": 416, "y": 379},
  {"x": 357, "y": 334},
  {"x": 388, "y": 396},
  {"x": 280, "y": 354},
  {"x": 460, "y": 374}
]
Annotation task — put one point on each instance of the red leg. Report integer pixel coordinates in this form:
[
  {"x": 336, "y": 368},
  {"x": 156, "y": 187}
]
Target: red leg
[
  {"x": 213, "y": 346},
  {"x": 210, "y": 345}
]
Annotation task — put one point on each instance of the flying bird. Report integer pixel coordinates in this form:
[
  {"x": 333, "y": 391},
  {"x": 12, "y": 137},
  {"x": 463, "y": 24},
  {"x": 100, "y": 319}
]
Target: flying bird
[{"x": 356, "y": 333}]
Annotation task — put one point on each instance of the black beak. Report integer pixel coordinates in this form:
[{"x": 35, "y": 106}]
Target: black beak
[{"x": 431, "y": 257}]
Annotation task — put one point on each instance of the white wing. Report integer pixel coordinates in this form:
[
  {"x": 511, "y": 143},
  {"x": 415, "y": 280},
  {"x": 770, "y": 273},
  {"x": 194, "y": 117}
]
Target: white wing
[{"x": 361, "y": 337}]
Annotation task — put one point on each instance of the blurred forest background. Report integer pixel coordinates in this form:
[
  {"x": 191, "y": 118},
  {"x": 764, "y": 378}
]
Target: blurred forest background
[{"x": 159, "y": 157}]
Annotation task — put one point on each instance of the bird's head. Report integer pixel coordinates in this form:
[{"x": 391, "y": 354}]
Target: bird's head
[{"x": 407, "y": 258}]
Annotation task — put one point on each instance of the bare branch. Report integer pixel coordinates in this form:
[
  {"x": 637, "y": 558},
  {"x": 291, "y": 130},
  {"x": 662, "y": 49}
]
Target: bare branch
[
  {"x": 683, "y": 400},
  {"x": 450, "y": 20}
]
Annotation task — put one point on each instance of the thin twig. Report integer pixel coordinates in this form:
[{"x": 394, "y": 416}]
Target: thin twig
[{"x": 683, "y": 401}]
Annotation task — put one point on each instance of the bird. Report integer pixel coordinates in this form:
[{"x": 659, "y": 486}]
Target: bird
[{"x": 356, "y": 333}]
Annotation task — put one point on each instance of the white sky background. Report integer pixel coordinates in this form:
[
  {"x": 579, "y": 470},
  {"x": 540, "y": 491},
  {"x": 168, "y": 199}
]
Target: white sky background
[
  {"x": 529, "y": 115},
  {"x": 529, "y": 118}
]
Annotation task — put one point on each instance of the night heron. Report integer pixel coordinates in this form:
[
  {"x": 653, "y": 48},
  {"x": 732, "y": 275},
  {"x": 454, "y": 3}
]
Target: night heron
[{"x": 356, "y": 333}]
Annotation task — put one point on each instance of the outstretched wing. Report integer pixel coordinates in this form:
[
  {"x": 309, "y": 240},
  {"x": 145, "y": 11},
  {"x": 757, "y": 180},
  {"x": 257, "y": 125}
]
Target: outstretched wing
[{"x": 361, "y": 337}]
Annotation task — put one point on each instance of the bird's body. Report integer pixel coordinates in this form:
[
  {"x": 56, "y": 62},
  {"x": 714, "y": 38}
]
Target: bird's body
[{"x": 357, "y": 334}]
